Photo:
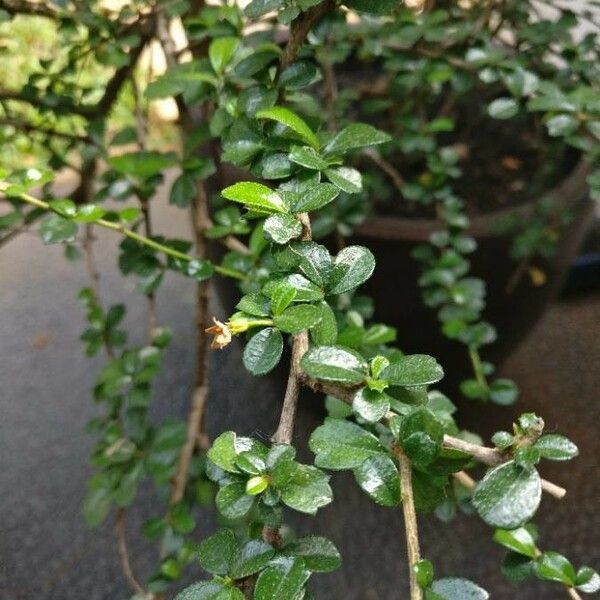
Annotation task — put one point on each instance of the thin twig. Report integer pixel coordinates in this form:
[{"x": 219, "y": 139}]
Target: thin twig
[
  {"x": 386, "y": 167},
  {"x": 124, "y": 553},
  {"x": 410, "y": 521},
  {"x": 488, "y": 456},
  {"x": 119, "y": 228},
  {"x": 492, "y": 457}
]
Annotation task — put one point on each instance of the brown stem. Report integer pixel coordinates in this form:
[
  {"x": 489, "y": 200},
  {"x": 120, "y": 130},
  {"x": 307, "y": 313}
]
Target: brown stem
[
  {"x": 299, "y": 30},
  {"x": 386, "y": 167},
  {"x": 124, "y": 553},
  {"x": 194, "y": 435},
  {"x": 572, "y": 592},
  {"x": 410, "y": 521},
  {"x": 465, "y": 480},
  {"x": 483, "y": 454}
]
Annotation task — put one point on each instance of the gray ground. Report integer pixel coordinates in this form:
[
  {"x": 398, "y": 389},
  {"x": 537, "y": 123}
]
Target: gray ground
[{"x": 46, "y": 552}]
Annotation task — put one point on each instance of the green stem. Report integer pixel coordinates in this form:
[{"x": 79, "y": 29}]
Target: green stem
[
  {"x": 118, "y": 227},
  {"x": 477, "y": 367}
]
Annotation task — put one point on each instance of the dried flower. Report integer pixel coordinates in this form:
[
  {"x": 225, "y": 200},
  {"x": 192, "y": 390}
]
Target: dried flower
[{"x": 222, "y": 334}]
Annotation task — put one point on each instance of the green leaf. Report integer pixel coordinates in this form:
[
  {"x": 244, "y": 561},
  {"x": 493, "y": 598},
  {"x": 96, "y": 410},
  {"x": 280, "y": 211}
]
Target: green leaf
[
  {"x": 553, "y": 566},
  {"x": 221, "y": 51},
  {"x": 424, "y": 573},
  {"x": 518, "y": 540},
  {"x": 420, "y": 435},
  {"x": 371, "y": 405},
  {"x": 64, "y": 207},
  {"x": 351, "y": 268},
  {"x": 413, "y": 369},
  {"x": 342, "y": 445},
  {"x": 306, "y": 291},
  {"x": 379, "y": 478},
  {"x": 226, "y": 448},
  {"x": 298, "y": 318},
  {"x": 556, "y": 447},
  {"x": 503, "y": 392},
  {"x": 318, "y": 553},
  {"x": 142, "y": 165},
  {"x": 517, "y": 567},
  {"x": 307, "y": 156},
  {"x": 456, "y": 588},
  {"x": 250, "y": 559},
  {"x": 316, "y": 197},
  {"x": 263, "y": 351},
  {"x": 183, "y": 191},
  {"x": 356, "y": 135},
  {"x": 508, "y": 496},
  {"x": 210, "y": 590},
  {"x": 55, "y": 229},
  {"x": 299, "y": 74},
  {"x": 283, "y": 578},
  {"x": 216, "y": 552},
  {"x": 282, "y": 228},
  {"x": 307, "y": 490},
  {"x": 257, "y": 485},
  {"x": 233, "y": 502},
  {"x": 349, "y": 180},
  {"x": 256, "y": 197},
  {"x": 315, "y": 260},
  {"x": 325, "y": 332},
  {"x": 290, "y": 119},
  {"x": 562, "y": 125},
  {"x": 588, "y": 580},
  {"x": 282, "y": 296},
  {"x": 257, "y": 8},
  {"x": 334, "y": 363},
  {"x": 181, "y": 519},
  {"x": 503, "y": 108},
  {"x": 88, "y": 213},
  {"x": 375, "y": 7}
]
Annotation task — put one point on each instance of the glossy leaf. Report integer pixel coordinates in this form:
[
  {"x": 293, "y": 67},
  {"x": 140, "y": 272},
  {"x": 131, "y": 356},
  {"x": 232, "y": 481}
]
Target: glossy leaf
[
  {"x": 316, "y": 197},
  {"x": 413, "y": 369},
  {"x": 233, "y": 502},
  {"x": 221, "y": 51},
  {"x": 283, "y": 578},
  {"x": 290, "y": 119},
  {"x": 553, "y": 566},
  {"x": 56, "y": 229},
  {"x": 508, "y": 496},
  {"x": 307, "y": 490},
  {"x": 298, "y": 318},
  {"x": 263, "y": 351},
  {"x": 379, "y": 478},
  {"x": 518, "y": 540},
  {"x": 556, "y": 447},
  {"x": 282, "y": 228},
  {"x": 217, "y": 551},
  {"x": 318, "y": 553},
  {"x": 256, "y": 197},
  {"x": 456, "y": 588},
  {"x": 250, "y": 558},
  {"x": 307, "y": 156},
  {"x": 371, "y": 405},
  {"x": 210, "y": 590},
  {"x": 355, "y": 135},
  {"x": 352, "y": 267},
  {"x": 342, "y": 445},
  {"x": 349, "y": 180},
  {"x": 334, "y": 363}
]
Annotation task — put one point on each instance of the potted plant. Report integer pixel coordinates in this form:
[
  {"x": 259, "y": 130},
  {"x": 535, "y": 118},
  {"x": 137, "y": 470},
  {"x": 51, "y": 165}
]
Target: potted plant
[{"x": 318, "y": 152}]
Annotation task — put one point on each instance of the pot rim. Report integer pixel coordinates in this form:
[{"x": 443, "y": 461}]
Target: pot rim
[{"x": 569, "y": 192}]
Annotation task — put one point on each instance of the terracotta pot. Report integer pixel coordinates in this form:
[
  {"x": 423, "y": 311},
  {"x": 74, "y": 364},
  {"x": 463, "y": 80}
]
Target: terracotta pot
[{"x": 397, "y": 296}]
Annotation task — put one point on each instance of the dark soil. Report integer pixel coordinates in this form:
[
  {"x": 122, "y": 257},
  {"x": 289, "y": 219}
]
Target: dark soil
[{"x": 503, "y": 164}]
